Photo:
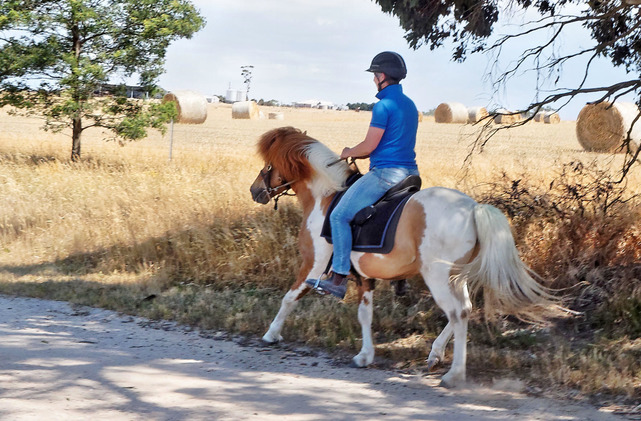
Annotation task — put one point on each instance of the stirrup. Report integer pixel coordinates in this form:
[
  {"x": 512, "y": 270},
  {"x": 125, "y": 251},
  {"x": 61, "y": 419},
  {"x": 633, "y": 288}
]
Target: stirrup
[
  {"x": 315, "y": 284},
  {"x": 327, "y": 286}
]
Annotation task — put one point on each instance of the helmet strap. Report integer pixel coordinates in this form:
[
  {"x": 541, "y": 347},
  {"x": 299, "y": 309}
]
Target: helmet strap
[{"x": 380, "y": 84}]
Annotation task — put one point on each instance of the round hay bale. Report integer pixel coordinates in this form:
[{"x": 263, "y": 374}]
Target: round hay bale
[
  {"x": 476, "y": 114},
  {"x": 538, "y": 117},
  {"x": 504, "y": 116},
  {"x": 245, "y": 110},
  {"x": 551, "y": 118},
  {"x": 451, "y": 112},
  {"x": 604, "y": 126},
  {"x": 276, "y": 116},
  {"x": 191, "y": 106}
]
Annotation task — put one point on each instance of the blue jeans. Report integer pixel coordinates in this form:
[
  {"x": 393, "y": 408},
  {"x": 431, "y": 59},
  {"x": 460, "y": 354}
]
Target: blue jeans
[{"x": 364, "y": 192}]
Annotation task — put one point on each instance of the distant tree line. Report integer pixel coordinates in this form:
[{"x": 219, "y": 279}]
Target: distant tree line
[
  {"x": 270, "y": 103},
  {"x": 361, "y": 106}
]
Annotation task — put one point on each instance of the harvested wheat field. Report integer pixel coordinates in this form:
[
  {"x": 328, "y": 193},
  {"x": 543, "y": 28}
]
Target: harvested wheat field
[{"x": 127, "y": 229}]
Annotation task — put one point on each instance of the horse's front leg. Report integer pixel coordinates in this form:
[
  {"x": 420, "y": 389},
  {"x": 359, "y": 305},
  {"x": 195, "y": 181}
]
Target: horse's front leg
[
  {"x": 296, "y": 292},
  {"x": 315, "y": 252},
  {"x": 315, "y": 260},
  {"x": 365, "y": 314}
]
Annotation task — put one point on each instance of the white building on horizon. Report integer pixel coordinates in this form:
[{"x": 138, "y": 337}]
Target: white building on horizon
[{"x": 315, "y": 103}]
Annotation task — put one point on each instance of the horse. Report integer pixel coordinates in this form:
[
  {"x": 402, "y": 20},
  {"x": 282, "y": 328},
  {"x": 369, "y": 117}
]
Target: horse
[{"x": 456, "y": 244}]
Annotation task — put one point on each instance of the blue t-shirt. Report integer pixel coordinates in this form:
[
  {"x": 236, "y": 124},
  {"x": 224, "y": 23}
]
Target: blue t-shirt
[{"x": 398, "y": 116}]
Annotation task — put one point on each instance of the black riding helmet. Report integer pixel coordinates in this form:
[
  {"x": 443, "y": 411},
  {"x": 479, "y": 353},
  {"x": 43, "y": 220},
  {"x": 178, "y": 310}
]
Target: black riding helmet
[{"x": 390, "y": 63}]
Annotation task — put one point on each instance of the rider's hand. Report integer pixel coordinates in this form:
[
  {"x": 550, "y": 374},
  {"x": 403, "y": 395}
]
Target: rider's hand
[{"x": 346, "y": 153}]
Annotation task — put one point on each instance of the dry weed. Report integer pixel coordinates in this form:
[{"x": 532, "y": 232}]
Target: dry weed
[{"x": 127, "y": 229}]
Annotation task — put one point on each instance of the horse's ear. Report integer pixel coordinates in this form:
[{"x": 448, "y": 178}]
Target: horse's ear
[{"x": 305, "y": 132}]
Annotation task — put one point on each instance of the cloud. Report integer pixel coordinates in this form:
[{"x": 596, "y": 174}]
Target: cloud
[{"x": 302, "y": 49}]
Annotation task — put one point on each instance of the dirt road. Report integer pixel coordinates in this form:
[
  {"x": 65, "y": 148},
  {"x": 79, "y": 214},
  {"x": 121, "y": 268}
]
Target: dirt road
[{"x": 59, "y": 362}]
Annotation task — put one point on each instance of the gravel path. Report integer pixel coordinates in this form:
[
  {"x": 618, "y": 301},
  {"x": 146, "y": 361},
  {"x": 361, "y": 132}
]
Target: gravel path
[{"x": 59, "y": 362}]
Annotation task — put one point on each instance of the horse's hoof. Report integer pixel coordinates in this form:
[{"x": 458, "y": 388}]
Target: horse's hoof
[
  {"x": 446, "y": 384},
  {"x": 268, "y": 340},
  {"x": 432, "y": 363},
  {"x": 353, "y": 364},
  {"x": 359, "y": 362},
  {"x": 450, "y": 382}
]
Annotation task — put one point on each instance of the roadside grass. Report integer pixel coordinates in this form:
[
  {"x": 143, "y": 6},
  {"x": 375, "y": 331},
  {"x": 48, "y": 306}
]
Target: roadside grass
[{"x": 126, "y": 230}]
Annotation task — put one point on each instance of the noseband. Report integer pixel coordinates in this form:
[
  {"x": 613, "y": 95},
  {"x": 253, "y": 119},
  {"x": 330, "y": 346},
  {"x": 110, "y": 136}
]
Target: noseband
[{"x": 266, "y": 174}]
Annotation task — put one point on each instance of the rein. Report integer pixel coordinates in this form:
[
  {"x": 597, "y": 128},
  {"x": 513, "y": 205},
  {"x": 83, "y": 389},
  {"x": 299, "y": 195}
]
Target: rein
[{"x": 284, "y": 193}]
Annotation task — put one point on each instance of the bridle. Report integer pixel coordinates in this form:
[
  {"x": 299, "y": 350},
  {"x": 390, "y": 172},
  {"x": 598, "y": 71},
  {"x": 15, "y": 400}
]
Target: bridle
[
  {"x": 272, "y": 192},
  {"x": 266, "y": 174}
]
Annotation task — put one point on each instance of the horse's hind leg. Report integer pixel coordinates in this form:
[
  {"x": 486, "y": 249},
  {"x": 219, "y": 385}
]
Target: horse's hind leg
[
  {"x": 438, "y": 347},
  {"x": 365, "y": 314},
  {"x": 455, "y": 302},
  {"x": 400, "y": 287}
]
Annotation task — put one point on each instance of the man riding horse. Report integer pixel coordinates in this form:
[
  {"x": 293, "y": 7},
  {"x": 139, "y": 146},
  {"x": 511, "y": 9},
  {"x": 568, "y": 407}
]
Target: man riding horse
[{"x": 389, "y": 143}]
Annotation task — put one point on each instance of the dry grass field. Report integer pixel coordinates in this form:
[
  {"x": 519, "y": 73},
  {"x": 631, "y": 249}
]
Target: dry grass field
[{"x": 128, "y": 229}]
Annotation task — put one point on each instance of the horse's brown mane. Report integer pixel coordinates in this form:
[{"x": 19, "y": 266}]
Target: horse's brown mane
[{"x": 284, "y": 148}]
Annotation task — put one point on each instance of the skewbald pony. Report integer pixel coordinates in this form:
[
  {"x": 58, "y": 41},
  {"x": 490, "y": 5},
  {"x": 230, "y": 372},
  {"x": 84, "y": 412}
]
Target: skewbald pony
[{"x": 442, "y": 232}]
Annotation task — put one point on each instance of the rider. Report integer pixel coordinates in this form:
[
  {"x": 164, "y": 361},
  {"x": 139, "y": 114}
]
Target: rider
[{"x": 389, "y": 143}]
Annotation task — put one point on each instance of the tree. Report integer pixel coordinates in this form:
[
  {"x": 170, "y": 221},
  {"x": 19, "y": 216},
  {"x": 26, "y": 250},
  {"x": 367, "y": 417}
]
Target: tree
[
  {"x": 56, "y": 54},
  {"x": 614, "y": 28},
  {"x": 246, "y": 73},
  {"x": 360, "y": 106},
  {"x": 270, "y": 103}
]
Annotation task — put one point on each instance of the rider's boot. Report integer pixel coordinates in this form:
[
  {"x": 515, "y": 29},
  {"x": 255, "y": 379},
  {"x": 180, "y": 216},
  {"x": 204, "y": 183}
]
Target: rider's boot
[{"x": 334, "y": 283}]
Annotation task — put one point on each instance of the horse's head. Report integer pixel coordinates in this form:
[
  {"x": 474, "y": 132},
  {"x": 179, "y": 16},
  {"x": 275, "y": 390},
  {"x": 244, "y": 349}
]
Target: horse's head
[
  {"x": 284, "y": 153},
  {"x": 268, "y": 183}
]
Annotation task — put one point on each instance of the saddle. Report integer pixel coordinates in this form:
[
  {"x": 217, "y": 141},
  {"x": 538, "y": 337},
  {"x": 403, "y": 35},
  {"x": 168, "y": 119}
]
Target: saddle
[{"x": 374, "y": 227}]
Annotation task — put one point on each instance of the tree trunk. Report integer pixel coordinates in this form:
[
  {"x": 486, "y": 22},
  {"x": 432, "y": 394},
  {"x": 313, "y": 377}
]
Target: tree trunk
[{"x": 75, "y": 139}]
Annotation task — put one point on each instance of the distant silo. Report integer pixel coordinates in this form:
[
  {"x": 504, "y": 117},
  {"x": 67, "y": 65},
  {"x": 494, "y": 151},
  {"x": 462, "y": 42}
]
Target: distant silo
[{"x": 230, "y": 96}]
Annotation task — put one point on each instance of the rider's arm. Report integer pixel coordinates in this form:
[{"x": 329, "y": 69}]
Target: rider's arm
[{"x": 363, "y": 149}]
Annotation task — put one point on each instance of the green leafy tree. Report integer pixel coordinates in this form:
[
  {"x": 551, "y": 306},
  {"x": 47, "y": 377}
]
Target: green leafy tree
[
  {"x": 56, "y": 54},
  {"x": 614, "y": 32},
  {"x": 361, "y": 106}
]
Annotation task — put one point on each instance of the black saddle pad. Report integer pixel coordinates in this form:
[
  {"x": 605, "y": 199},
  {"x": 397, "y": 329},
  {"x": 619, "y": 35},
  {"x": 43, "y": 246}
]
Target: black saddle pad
[{"x": 374, "y": 227}]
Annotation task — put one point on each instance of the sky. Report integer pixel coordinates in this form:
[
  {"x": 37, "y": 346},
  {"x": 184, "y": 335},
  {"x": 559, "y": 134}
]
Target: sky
[{"x": 304, "y": 49}]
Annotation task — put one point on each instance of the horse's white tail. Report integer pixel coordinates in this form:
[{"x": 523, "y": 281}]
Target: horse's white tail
[{"x": 509, "y": 285}]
